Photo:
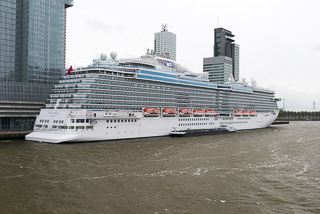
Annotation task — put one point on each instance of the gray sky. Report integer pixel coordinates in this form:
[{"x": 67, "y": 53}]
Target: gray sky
[{"x": 279, "y": 40}]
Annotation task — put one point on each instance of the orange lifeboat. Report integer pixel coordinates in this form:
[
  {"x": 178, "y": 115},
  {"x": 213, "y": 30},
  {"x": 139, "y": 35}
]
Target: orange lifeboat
[
  {"x": 237, "y": 113},
  {"x": 184, "y": 112},
  {"x": 209, "y": 112},
  {"x": 245, "y": 113},
  {"x": 198, "y": 112},
  {"x": 151, "y": 112},
  {"x": 169, "y": 112},
  {"x": 253, "y": 113}
]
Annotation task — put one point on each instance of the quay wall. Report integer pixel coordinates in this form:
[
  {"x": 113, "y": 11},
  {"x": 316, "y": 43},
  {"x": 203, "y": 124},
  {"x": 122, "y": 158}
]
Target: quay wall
[{"x": 299, "y": 115}]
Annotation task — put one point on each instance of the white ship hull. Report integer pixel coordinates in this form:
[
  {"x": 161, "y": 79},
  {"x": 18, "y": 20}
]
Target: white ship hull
[
  {"x": 146, "y": 97},
  {"x": 100, "y": 125}
]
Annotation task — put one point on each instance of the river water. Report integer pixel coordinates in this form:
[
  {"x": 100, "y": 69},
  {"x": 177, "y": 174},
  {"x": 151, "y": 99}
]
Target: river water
[{"x": 272, "y": 170}]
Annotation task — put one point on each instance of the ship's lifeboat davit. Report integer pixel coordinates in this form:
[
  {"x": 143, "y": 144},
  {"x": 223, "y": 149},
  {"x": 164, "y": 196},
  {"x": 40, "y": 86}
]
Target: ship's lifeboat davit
[
  {"x": 185, "y": 112},
  {"x": 151, "y": 112},
  {"x": 169, "y": 112}
]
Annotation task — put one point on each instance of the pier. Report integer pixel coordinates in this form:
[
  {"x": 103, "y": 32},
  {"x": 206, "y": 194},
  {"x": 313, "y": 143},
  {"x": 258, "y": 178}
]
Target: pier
[
  {"x": 13, "y": 135},
  {"x": 280, "y": 122}
]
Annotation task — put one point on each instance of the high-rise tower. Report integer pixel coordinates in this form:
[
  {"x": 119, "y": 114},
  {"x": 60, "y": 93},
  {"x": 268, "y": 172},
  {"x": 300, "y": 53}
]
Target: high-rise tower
[
  {"x": 32, "y": 57},
  {"x": 165, "y": 43},
  {"x": 226, "y": 57}
]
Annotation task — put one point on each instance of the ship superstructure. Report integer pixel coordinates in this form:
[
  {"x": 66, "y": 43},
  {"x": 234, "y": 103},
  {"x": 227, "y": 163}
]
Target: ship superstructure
[{"x": 145, "y": 97}]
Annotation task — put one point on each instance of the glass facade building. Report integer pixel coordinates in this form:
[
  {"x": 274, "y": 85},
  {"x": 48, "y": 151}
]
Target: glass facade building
[
  {"x": 235, "y": 62},
  {"x": 32, "y": 57},
  {"x": 219, "y": 68},
  {"x": 224, "y": 48},
  {"x": 165, "y": 43}
]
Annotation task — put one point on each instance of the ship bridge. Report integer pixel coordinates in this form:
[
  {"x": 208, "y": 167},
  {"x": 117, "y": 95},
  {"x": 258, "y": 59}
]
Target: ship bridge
[{"x": 155, "y": 62}]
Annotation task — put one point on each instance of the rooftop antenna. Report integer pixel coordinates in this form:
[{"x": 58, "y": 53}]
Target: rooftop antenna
[
  {"x": 217, "y": 21},
  {"x": 314, "y": 105},
  {"x": 164, "y": 27}
]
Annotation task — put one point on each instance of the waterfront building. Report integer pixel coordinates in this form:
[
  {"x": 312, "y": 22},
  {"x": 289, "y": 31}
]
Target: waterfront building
[
  {"x": 225, "y": 51},
  {"x": 32, "y": 57},
  {"x": 165, "y": 43},
  {"x": 219, "y": 68}
]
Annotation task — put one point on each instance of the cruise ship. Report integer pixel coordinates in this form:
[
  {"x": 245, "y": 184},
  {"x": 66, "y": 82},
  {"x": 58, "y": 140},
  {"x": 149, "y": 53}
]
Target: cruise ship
[{"x": 147, "y": 96}]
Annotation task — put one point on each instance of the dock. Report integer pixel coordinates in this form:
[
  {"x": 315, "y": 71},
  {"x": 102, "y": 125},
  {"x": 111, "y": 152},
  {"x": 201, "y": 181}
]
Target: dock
[
  {"x": 280, "y": 122},
  {"x": 13, "y": 135}
]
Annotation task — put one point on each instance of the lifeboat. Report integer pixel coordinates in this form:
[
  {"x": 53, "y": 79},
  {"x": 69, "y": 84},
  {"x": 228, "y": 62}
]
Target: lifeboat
[
  {"x": 169, "y": 112},
  {"x": 151, "y": 112},
  {"x": 245, "y": 113},
  {"x": 210, "y": 112},
  {"x": 253, "y": 113},
  {"x": 184, "y": 112},
  {"x": 198, "y": 112},
  {"x": 237, "y": 113}
]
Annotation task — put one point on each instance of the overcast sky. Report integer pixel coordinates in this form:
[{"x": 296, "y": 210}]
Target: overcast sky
[{"x": 279, "y": 39}]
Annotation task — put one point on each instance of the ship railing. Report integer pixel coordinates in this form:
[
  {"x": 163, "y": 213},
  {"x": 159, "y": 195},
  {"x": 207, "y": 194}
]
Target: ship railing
[
  {"x": 125, "y": 90},
  {"x": 175, "y": 89},
  {"x": 135, "y": 82}
]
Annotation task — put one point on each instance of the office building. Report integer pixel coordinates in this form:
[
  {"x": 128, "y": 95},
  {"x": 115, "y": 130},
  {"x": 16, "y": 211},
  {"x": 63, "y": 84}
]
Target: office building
[
  {"x": 219, "y": 68},
  {"x": 165, "y": 43},
  {"x": 225, "y": 52},
  {"x": 32, "y": 57}
]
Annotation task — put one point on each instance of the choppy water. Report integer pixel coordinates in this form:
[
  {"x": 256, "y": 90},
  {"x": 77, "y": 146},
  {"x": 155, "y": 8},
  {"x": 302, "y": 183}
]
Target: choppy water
[{"x": 273, "y": 170}]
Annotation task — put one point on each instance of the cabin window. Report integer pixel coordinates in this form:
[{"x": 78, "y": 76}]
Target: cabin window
[
  {"x": 80, "y": 120},
  {"x": 79, "y": 127}
]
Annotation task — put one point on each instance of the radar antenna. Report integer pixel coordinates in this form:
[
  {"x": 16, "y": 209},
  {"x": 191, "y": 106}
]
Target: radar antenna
[
  {"x": 253, "y": 83},
  {"x": 231, "y": 79}
]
